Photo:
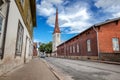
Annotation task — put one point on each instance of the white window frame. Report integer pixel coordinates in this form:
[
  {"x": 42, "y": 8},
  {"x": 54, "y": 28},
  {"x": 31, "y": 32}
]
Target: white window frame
[
  {"x": 1, "y": 31},
  {"x": 73, "y": 48},
  {"x": 20, "y": 36},
  {"x": 67, "y": 48},
  {"x": 1, "y": 23},
  {"x": 31, "y": 25},
  {"x": 70, "y": 49},
  {"x": 77, "y": 48},
  {"x": 115, "y": 42},
  {"x": 88, "y": 45},
  {"x": 2, "y": 2},
  {"x": 22, "y": 2},
  {"x": 28, "y": 15}
]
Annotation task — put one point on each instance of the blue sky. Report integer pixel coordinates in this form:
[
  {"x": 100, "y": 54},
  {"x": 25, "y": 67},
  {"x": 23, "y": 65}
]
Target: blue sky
[{"x": 74, "y": 16}]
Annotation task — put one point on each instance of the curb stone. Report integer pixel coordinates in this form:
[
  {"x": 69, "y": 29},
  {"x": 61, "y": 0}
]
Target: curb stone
[
  {"x": 52, "y": 70},
  {"x": 60, "y": 75}
]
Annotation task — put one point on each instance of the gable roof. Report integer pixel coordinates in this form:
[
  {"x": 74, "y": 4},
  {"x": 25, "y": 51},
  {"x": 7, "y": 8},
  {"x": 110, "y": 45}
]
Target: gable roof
[{"x": 95, "y": 25}]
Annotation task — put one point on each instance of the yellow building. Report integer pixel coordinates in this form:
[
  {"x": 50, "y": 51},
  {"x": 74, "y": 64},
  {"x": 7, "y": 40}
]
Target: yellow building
[{"x": 27, "y": 9}]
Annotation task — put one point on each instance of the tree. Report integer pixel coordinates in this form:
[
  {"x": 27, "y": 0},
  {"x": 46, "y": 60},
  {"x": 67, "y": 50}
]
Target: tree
[
  {"x": 42, "y": 47},
  {"x": 46, "y": 47}
]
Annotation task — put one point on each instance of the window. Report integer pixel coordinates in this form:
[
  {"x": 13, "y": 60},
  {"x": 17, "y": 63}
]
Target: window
[
  {"x": 19, "y": 39},
  {"x": 1, "y": 2},
  {"x": 70, "y": 49},
  {"x": 115, "y": 42},
  {"x": 22, "y": 2},
  {"x": 77, "y": 48},
  {"x": 88, "y": 45},
  {"x": 67, "y": 48},
  {"x": 73, "y": 49},
  {"x": 1, "y": 20},
  {"x": 31, "y": 27},
  {"x": 28, "y": 16},
  {"x": 30, "y": 48}
]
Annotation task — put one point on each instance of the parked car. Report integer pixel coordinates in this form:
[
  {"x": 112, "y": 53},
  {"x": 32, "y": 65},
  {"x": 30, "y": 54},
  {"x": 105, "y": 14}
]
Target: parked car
[{"x": 42, "y": 55}]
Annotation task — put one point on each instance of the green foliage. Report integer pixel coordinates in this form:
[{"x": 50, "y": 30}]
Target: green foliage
[{"x": 46, "y": 47}]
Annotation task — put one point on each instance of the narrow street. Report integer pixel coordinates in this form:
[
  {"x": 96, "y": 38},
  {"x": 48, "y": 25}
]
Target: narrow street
[
  {"x": 86, "y": 70},
  {"x": 34, "y": 70}
]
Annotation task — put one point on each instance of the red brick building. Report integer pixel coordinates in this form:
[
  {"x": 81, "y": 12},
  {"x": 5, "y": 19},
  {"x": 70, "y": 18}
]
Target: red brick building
[
  {"x": 35, "y": 49},
  {"x": 100, "y": 41}
]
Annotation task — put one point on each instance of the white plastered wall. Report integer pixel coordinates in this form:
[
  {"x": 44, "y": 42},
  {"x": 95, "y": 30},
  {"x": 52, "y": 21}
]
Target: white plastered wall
[
  {"x": 10, "y": 60},
  {"x": 56, "y": 41}
]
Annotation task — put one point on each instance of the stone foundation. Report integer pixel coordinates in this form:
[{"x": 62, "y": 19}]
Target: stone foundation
[
  {"x": 110, "y": 57},
  {"x": 80, "y": 57},
  {"x": 6, "y": 67}
]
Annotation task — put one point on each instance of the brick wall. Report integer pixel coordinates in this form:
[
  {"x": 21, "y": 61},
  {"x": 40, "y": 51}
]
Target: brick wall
[
  {"x": 81, "y": 41},
  {"x": 106, "y": 33}
]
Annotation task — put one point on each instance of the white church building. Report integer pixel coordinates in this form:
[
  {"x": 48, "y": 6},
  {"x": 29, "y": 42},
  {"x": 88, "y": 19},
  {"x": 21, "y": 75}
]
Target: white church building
[{"x": 56, "y": 36}]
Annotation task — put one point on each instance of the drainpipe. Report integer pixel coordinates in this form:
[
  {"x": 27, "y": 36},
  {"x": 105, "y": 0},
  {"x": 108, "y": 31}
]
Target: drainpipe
[
  {"x": 5, "y": 29},
  {"x": 64, "y": 50},
  {"x": 97, "y": 42}
]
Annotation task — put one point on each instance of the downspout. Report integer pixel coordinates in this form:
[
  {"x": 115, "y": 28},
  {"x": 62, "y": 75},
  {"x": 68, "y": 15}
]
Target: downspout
[
  {"x": 97, "y": 42},
  {"x": 64, "y": 51},
  {"x": 5, "y": 29}
]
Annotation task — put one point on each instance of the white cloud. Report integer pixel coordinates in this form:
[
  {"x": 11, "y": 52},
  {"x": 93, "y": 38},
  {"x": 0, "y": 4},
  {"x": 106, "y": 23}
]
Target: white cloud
[
  {"x": 81, "y": 13},
  {"x": 37, "y": 40},
  {"x": 110, "y": 6},
  {"x": 51, "y": 20},
  {"x": 75, "y": 16},
  {"x": 116, "y": 15},
  {"x": 55, "y": 2},
  {"x": 66, "y": 2},
  {"x": 46, "y": 7}
]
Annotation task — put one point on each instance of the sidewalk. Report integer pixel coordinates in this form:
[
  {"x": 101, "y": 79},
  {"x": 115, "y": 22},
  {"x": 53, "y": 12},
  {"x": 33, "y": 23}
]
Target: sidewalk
[{"x": 34, "y": 70}]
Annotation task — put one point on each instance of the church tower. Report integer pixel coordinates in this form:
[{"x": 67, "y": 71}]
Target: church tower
[{"x": 56, "y": 34}]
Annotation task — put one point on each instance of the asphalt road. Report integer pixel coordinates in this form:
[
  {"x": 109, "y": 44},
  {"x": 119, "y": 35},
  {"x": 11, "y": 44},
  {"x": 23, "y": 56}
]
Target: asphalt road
[{"x": 86, "y": 70}]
